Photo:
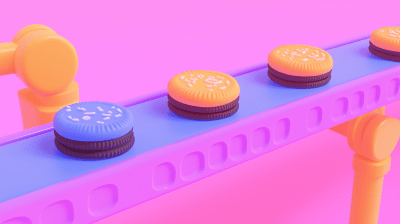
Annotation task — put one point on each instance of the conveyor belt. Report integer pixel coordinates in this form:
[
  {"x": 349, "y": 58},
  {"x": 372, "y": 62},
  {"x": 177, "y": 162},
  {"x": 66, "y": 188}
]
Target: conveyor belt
[
  {"x": 31, "y": 164},
  {"x": 34, "y": 163}
]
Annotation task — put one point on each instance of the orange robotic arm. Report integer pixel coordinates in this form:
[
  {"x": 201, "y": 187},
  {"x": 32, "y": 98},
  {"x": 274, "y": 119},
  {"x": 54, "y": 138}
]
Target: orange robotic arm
[
  {"x": 47, "y": 64},
  {"x": 373, "y": 137}
]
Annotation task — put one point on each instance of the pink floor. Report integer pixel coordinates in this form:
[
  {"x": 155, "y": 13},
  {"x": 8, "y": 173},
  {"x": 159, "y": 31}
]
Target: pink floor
[{"x": 130, "y": 48}]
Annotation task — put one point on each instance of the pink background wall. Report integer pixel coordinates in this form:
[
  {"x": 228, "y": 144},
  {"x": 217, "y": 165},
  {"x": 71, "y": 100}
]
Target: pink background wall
[{"x": 130, "y": 48}]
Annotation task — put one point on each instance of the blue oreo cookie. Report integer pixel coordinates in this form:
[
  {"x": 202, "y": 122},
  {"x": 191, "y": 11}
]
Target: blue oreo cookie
[
  {"x": 93, "y": 130},
  {"x": 93, "y": 121}
]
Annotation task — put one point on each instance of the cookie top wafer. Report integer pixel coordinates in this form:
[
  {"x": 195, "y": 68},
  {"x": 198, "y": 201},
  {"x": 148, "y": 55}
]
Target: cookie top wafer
[
  {"x": 203, "y": 88},
  {"x": 93, "y": 121},
  {"x": 387, "y": 38},
  {"x": 300, "y": 60}
]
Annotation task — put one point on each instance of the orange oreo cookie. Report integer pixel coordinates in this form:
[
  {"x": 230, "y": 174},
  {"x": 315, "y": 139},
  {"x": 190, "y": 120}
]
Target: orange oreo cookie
[
  {"x": 203, "y": 95},
  {"x": 385, "y": 43},
  {"x": 299, "y": 66}
]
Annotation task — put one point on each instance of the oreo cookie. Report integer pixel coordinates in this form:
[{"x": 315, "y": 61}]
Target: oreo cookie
[
  {"x": 385, "y": 43},
  {"x": 203, "y": 95},
  {"x": 93, "y": 130},
  {"x": 299, "y": 66}
]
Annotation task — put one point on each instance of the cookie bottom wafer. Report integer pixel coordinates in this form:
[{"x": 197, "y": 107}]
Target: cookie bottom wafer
[
  {"x": 99, "y": 145},
  {"x": 298, "y": 85},
  {"x": 203, "y": 116},
  {"x": 95, "y": 154},
  {"x": 205, "y": 110},
  {"x": 384, "y": 54},
  {"x": 298, "y": 78}
]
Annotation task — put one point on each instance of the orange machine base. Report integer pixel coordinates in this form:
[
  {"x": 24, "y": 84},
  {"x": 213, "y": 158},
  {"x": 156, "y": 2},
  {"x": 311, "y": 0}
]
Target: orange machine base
[{"x": 37, "y": 109}]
